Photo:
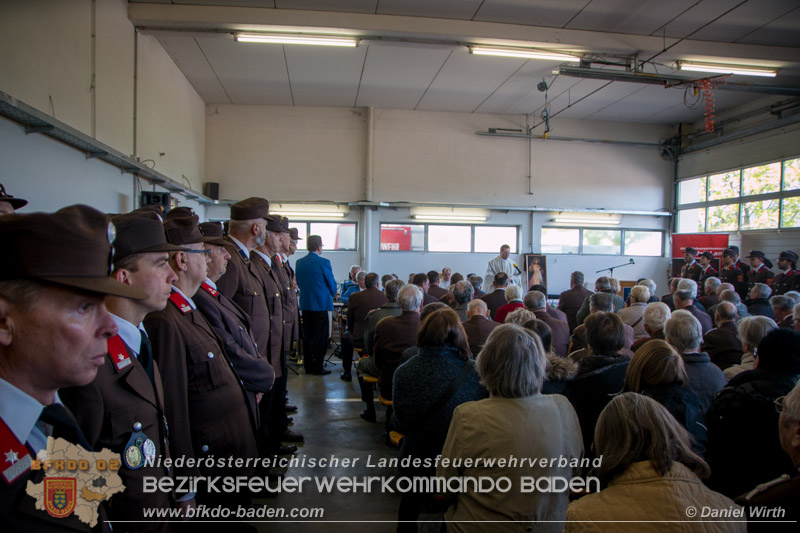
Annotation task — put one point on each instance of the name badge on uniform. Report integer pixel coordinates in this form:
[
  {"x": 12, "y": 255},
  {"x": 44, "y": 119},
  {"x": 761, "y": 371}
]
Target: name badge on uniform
[
  {"x": 138, "y": 449},
  {"x": 180, "y": 302},
  {"x": 14, "y": 457},
  {"x": 117, "y": 352}
]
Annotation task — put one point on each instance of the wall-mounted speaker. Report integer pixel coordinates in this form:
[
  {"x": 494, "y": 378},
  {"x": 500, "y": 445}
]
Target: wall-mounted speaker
[
  {"x": 211, "y": 189},
  {"x": 155, "y": 198}
]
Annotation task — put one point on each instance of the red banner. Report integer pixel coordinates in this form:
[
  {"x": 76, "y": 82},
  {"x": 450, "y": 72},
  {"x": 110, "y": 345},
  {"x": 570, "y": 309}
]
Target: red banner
[{"x": 702, "y": 242}]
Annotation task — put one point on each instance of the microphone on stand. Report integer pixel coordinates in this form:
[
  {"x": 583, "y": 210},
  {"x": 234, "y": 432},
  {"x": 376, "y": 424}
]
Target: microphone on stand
[{"x": 518, "y": 270}]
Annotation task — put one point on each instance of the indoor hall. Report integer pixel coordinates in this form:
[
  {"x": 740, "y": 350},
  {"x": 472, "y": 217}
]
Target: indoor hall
[{"x": 586, "y": 135}]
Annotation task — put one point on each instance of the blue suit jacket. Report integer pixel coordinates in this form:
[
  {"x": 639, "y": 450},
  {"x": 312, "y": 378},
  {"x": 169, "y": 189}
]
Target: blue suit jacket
[{"x": 316, "y": 282}]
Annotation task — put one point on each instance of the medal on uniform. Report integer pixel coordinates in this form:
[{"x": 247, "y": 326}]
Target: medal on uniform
[
  {"x": 149, "y": 450},
  {"x": 135, "y": 452}
]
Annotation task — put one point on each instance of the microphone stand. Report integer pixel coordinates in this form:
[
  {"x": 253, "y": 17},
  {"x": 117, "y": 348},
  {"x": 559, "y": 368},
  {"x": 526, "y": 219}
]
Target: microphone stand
[{"x": 611, "y": 269}]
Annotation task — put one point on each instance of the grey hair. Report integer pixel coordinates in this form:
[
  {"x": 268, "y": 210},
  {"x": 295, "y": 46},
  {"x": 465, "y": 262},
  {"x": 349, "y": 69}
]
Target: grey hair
[
  {"x": 640, "y": 293},
  {"x": 463, "y": 291},
  {"x": 655, "y": 315},
  {"x": 754, "y": 328},
  {"x": 512, "y": 363},
  {"x": 478, "y": 304},
  {"x": 781, "y": 302},
  {"x": 361, "y": 275},
  {"x": 602, "y": 283},
  {"x": 241, "y": 227},
  {"x": 794, "y": 295},
  {"x": 601, "y": 301},
  {"x": 313, "y": 243},
  {"x": 673, "y": 283},
  {"x": 577, "y": 278},
  {"x": 409, "y": 298},
  {"x": 354, "y": 266},
  {"x": 688, "y": 285},
  {"x": 519, "y": 316},
  {"x": 650, "y": 284},
  {"x": 476, "y": 281},
  {"x": 683, "y": 331},
  {"x": 796, "y": 311},
  {"x": 682, "y": 296},
  {"x": 513, "y": 292},
  {"x": 724, "y": 287},
  {"x": 535, "y": 300},
  {"x": 392, "y": 288},
  {"x": 791, "y": 403},
  {"x": 726, "y": 311},
  {"x": 761, "y": 290},
  {"x": 730, "y": 296},
  {"x": 712, "y": 283}
]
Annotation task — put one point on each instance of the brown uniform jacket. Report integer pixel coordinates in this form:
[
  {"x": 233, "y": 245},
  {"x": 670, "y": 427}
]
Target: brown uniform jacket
[
  {"x": 570, "y": 303},
  {"x": 559, "y": 329},
  {"x": 271, "y": 285},
  {"x": 241, "y": 283},
  {"x": 478, "y": 328},
  {"x": 393, "y": 335},
  {"x": 494, "y": 301},
  {"x": 107, "y": 409},
  {"x": 205, "y": 402},
  {"x": 428, "y": 299},
  {"x": 436, "y": 291},
  {"x": 723, "y": 345},
  {"x": 288, "y": 300},
  {"x": 359, "y": 306}
]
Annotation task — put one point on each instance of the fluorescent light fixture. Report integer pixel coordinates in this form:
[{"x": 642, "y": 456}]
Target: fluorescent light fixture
[
  {"x": 451, "y": 218},
  {"x": 288, "y": 38},
  {"x": 307, "y": 214},
  {"x": 718, "y": 68},
  {"x": 587, "y": 221},
  {"x": 524, "y": 53}
]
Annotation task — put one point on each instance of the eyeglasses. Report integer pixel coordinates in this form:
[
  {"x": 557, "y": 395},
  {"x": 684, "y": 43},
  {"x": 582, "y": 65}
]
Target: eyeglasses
[{"x": 779, "y": 404}]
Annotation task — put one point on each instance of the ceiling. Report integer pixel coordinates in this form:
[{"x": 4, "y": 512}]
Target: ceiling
[{"x": 412, "y": 54}]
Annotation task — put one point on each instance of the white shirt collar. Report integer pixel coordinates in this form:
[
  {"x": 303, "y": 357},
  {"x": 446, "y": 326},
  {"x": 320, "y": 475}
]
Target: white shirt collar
[
  {"x": 20, "y": 411},
  {"x": 265, "y": 256},
  {"x": 189, "y": 300},
  {"x": 241, "y": 246},
  {"x": 211, "y": 283},
  {"x": 130, "y": 334}
]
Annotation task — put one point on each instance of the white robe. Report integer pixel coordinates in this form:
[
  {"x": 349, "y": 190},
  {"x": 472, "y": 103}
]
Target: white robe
[{"x": 497, "y": 265}]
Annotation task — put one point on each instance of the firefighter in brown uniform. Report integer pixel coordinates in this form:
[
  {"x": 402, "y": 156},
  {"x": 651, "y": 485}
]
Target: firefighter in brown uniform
[
  {"x": 707, "y": 271},
  {"x": 206, "y": 403},
  {"x": 760, "y": 271},
  {"x": 123, "y": 408},
  {"x": 728, "y": 273},
  {"x": 745, "y": 268},
  {"x": 691, "y": 269},
  {"x": 54, "y": 329},
  {"x": 788, "y": 279}
]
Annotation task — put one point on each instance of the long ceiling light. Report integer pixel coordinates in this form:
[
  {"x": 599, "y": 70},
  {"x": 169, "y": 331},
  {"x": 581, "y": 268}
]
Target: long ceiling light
[
  {"x": 718, "y": 68},
  {"x": 286, "y": 38},
  {"x": 452, "y": 218},
  {"x": 308, "y": 214},
  {"x": 586, "y": 221},
  {"x": 524, "y": 53}
]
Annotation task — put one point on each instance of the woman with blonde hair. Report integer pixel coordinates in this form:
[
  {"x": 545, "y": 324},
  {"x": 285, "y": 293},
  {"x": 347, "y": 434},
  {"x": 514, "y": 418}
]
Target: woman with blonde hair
[
  {"x": 657, "y": 371},
  {"x": 649, "y": 474}
]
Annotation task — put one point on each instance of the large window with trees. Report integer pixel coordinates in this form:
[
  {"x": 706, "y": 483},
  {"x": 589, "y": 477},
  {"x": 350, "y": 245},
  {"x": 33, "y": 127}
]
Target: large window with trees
[
  {"x": 753, "y": 198},
  {"x": 447, "y": 238},
  {"x": 602, "y": 241}
]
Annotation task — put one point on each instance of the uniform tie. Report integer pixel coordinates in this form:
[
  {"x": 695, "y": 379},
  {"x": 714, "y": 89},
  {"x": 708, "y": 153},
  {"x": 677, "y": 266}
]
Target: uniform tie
[
  {"x": 146, "y": 357},
  {"x": 64, "y": 425}
]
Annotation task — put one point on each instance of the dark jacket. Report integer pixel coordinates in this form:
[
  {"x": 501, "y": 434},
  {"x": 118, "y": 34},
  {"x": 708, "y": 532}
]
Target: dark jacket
[
  {"x": 371, "y": 322},
  {"x": 271, "y": 286},
  {"x": 760, "y": 307},
  {"x": 436, "y": 291},
  {"x": 359, "y": 306},
  {"x": 494, "y": 301},
  {"x": 478, "y": 328},
  {"x": 723, "y": 345},
  {"x": 684, "y": 405},
  {"x": 393, "y": 335},
  {"x": 742, "y": 420},
  {"x": 560, "y": 371},
  {"x": 585, "y": 309},
  {"x": 598, "y": 378},
  {"x": 570, "y": 303},
  {"x": 417, "y": 384},
  {"x": 784, "y": 493},
  {"x": 559, "y": 329},
  {"x": 708, "y": 300},
  {"x": 641, "y": 342},
  {"x": 705, "y": 378},
  {"x": 701, "y": 316}
]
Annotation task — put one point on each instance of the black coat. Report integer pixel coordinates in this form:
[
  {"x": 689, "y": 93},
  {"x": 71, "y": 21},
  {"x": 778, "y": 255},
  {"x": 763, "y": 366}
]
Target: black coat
[
  {"x": 684, "y": 405},
  {"x": 760, "y": 307},
  {"x": 743, "y": 445}
]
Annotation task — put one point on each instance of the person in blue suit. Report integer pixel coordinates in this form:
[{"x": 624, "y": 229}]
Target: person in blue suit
[{"x": 317, "y": 289}]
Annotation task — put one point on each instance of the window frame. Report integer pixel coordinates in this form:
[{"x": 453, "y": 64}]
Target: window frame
[
  {"x": 605, "y": 228},
  {"x": 327, "y": 249},
  {"x": 427, "y": 225}
]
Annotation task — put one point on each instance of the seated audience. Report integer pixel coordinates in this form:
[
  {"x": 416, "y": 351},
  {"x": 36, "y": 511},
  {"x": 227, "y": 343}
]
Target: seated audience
[
  {"x": 783, "y": 492},
  {"x": 722, "y": 343},
  {"x": 478, "y": 326},
  {"x": 649, "y": 473},
  {"x": 658, "y": 372},
  {"x": 742, "y": 418},
  {"x": 435, "y": 289},
  {"x": 730, "y": 295},
  {"x": 751, "y": 330},
  {"x": 477, "y": 282},
  {"x": 552, "y": 311},
  {"x": 421, "y": 281},
  {"x": 599, "y": 302},
  {"x": 654, "y": 317},
  {"x": 390, "y": 308},
  {"x": 358, "y": 307},
  {"x": 633, "y": 314},
  {"x": 683, "y": 332},
  {"x": 462, "y": 292},
  {"x": 515, "y": 421},
  {"x": 601, "y": 373},
  {"x": 560, "y": 370},
  {"x": 602, "y": 284},
  {"x": 411, "y": 351},
  {"x": 667, "y": 298},
  {"x": 685, "y": 301},
  {"x": 513, "y": 295},
  {"x": 796, "y": 316},
  {"x": 570, "y": 301},
  {"x": 448, "y": 298},
  {"x": 537, "y": 302},
  {"x": 651, "y": 286},
  {"x": 758, "y": 301},
  {"x": 497, "y": 298},
  {"x": 519, "y": 316},
  {"x": 710, "y": 297},
  {"x": 782, "y": 310},
  {"x": 351, "y": 285},
  {"x": 794, "y": 295},
  {"x": 426, "y": 390}
]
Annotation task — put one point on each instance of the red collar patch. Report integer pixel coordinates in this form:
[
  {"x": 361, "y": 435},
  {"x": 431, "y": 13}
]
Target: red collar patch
[
  {"x": 117, "y": 353},
  {"x": 180, "y": 302},
  {"x": 14, "y": 457},
  {"x": 210, "y": 290}
]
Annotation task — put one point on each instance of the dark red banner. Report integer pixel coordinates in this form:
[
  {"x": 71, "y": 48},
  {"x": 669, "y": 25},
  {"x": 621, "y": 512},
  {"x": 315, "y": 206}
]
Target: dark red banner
[{"x": 702, "y": 242}]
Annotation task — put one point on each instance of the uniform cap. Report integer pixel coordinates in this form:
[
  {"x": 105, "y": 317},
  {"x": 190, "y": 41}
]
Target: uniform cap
[
  {"x": 16, "y": 203},
  {"x": 139, "y": 233},
  {"x": 756, "y": 253},
  {"x": 253, "y": 207},
  {"x": 690, "y": 250},
  {"x": 212, "y": 231}
]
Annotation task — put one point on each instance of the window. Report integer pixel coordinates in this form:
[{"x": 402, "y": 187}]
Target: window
[
  {"x": 335, "y": 235},
  {"x": 647, "y": 243},
  {"x": 401, "y": 237},
  {"x": 489, "y": 239},
  {"x": 601, "y": 241},
  {"x": 561, "y": 241},
  {"x": 449, "y": 238},
  {"x": 302, "y": 232},
  {"x": 753, "y": 198}
]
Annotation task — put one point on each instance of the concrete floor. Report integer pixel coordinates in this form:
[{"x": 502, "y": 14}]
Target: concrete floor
[{"x": 328, "y": 417}]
